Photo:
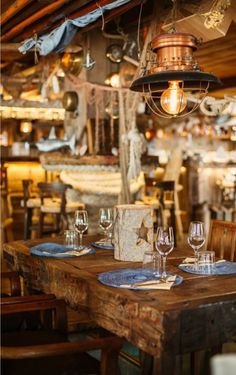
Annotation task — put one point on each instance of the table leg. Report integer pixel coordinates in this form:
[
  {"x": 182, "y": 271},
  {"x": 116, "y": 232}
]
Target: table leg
[
  {"x": 166, "y": 365},
  {"x": 146, "y": 361}
]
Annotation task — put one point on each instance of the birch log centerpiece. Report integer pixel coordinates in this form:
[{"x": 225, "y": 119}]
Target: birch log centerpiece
[{"x": 133, "y": 232}]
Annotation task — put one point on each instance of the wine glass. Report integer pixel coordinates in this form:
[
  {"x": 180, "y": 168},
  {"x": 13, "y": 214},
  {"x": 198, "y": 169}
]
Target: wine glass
[
  {"x": 196, "y": 237},
  {"x": 164, "y": 245},
  {"x": 81, "y": 224},
  {"x": 106, "y": 221}
]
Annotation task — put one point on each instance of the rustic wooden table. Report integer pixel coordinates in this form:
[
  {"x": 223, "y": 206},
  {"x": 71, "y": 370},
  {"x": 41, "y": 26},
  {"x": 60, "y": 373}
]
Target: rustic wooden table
[{"x": 198, "y": 314}]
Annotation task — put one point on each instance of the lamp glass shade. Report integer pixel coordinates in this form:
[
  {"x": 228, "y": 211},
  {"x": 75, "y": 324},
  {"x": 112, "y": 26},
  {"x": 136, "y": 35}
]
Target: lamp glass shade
[{"x": 173, "y": 100}]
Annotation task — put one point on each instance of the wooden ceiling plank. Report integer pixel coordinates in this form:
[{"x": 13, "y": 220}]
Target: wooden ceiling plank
[
  {"x": 107, "y": 17},
  {"x": 113, "y": 12},
  {"x": 22, "y": 15},
  {"x": 217, "y": 60},
  {"x": 227, "y": 83},
  {"x": 225, "y": 50},
  {"x": 49, "y": 24},
  {"x": 36, "y": 16},
  {"x": 10, "y": 47},
  {"x": 13, "y": 9}
]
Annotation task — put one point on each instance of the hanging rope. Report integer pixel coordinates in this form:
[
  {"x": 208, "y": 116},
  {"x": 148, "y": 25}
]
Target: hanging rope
[
  {"x": 124, "y": 196},
  {"x": 113, "y": 96},
  {"x": 131, "y": 143}
]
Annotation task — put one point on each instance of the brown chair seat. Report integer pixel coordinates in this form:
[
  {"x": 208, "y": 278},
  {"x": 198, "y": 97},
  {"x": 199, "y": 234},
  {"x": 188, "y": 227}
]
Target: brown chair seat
[
  {"x": 34, "y": 202},
  {"x": 54, "y": 206}
]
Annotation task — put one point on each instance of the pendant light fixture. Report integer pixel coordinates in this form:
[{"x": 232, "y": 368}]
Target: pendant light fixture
[{"x": 171, "y": 73}]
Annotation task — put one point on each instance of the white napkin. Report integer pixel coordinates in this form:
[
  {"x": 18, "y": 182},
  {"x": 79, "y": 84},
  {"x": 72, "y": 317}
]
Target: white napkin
[
  {"x": 152, "y": 284},
  {"x": 191, "y": 261},
  {"x": 76, "y": 253}
]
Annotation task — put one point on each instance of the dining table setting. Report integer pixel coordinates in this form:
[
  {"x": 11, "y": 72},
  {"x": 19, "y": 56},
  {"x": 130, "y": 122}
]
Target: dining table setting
[{"x": 171, "y": 301}]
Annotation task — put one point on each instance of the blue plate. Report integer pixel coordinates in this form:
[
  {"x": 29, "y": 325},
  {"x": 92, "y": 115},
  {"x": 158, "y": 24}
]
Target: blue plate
[
  {"x": 223, "y": 268},
  {"x": 49, "y": 249},
  {"x": 126, "y": 276},
  {"x": 101, "y": 245}
]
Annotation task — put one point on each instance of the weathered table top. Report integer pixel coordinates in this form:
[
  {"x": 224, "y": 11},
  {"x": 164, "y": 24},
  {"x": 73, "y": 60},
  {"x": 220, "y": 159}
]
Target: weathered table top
[{"x": 199, "y": 313}]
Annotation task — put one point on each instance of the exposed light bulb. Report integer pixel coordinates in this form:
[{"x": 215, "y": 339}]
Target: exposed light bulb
[
  {"x": 113, "y": 80},
  {"x": 26, "y": 126},
  {"x": 173, "y": 100}
]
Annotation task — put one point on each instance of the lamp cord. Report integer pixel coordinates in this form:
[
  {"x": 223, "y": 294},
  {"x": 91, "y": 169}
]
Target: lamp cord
[
  {"x": 173, "y": 16},
  {"x": 138, "y": 30}
]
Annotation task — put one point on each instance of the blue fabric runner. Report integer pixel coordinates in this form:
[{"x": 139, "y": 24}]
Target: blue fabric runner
[{"x": 60, "y": 37}]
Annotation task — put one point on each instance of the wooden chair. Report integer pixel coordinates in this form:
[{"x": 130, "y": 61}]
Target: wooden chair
[
  {"x": 6, "y": 220},
  {"x": 47, "y": 348},
  {"x": 10, "y": 284},
  {"x": 222, "y": 239},
  {"x": 58, "y": 206},
  {"x": 163, "y": 192},
  {"x": 12, "y": 290},
  {"x": 30, "y": 202}
]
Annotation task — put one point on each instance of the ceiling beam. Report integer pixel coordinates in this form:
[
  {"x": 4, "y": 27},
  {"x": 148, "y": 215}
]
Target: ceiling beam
[
  {"x": 13, "y": 9},
  {"x": 49, "y": 23},
  {"x": 44, "y": 12},
  {"x": 10, "y": 47},
  {"x": 43, "y": 26},
  {"x": 28, "y": 21}
]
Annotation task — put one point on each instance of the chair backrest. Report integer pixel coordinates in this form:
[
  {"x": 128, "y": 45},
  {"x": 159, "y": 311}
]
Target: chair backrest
[
  {"x": 160, "y": 188},
  {"x": 26, "y": 190},
  {"x": 52, "y": 311},
  {"x": 222, "y": 239},
  {"x": 54, "y": 190},
  {"x": 3, "y": 178}
]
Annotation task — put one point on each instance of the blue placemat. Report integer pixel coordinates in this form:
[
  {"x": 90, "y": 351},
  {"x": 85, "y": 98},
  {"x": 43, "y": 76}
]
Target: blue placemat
[
  {"x": 49, "y": 249},
  {"x": 125, "y": 276},
  {"x": 101, "y": 245},
  {"x": 224, "y": 268}
]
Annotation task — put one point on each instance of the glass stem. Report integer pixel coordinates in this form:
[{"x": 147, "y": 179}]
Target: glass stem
[
  {"x": 195, "y": 261},
  {"x": 80, "y": 239},
  {"x": 164, "y": 274}
]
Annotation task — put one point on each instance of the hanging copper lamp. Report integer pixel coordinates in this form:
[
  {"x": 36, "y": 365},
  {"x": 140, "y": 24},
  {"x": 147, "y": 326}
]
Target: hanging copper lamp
[{"x": 171, "y": 74}]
